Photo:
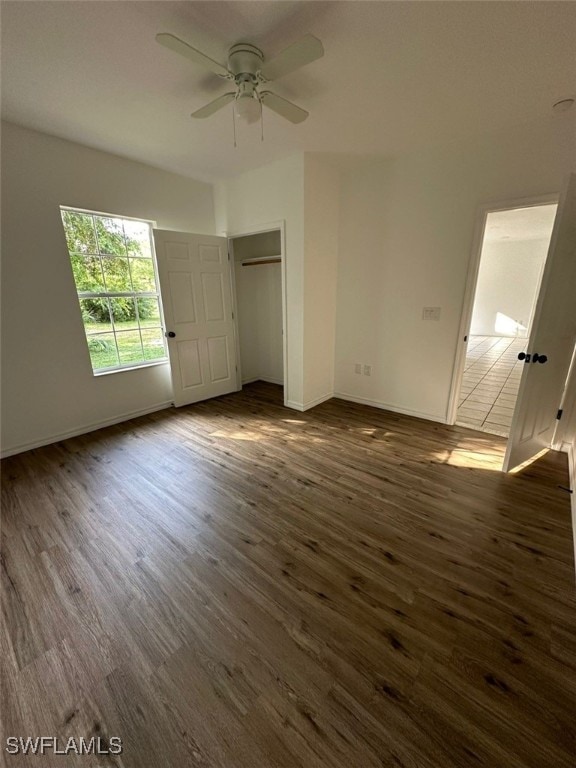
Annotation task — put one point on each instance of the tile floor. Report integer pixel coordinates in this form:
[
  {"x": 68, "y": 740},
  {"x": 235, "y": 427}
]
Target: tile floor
[{"x": 490, "y": 383}]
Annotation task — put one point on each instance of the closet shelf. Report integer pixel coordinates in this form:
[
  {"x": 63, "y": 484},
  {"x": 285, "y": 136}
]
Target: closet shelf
[{"x": 262, "y": 260}]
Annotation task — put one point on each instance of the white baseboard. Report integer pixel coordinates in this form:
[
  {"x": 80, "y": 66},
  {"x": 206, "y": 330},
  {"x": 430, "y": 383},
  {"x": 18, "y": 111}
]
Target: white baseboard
[
  {"x": 389, "y": 407},
  {"x": 310, "y": 404},
  {"x": 267, "y": 379},
  {"x": 82, "y": 430},
  {"x": 318, "y": 400},
  {"x": 294, "y": 405},
  {"x": 270, "y": 380}
]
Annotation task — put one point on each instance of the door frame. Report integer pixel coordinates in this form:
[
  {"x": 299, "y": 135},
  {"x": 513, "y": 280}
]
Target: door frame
[
  {"x": 273, "y": 226},
  {"x": 568, "y": 405},
  {"x": 472, "y": 282}
]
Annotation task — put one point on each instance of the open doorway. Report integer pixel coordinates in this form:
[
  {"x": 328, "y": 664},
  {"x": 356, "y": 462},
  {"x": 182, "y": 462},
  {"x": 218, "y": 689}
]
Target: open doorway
[
  {"x": 513, "y": 252},
  {"x": 258, "y": 277}
]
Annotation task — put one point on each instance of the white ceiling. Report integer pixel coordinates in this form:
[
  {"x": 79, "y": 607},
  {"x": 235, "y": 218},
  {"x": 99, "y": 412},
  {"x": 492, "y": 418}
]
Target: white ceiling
[
  {"x": 396, "y": 75},
  {"x": 533, "y": 223}
]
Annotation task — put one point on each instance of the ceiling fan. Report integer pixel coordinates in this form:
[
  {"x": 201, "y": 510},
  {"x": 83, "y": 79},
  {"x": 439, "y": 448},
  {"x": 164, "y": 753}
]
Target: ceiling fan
[{"x": 248, "y": 69}]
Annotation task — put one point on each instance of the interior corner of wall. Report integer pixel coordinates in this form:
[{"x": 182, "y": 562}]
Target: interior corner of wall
[{"x": 219, "y": 197}]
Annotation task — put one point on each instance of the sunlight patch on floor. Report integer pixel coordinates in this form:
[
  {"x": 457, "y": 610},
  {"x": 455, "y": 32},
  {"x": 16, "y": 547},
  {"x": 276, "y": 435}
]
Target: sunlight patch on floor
[
  {"x": 239, "y": 435},
  {"x": 471, "y": 459}
]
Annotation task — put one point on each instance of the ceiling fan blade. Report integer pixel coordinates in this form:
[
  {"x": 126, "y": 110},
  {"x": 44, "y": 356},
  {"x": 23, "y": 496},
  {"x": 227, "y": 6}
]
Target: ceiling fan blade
[
  {"x": 179, "y": 46},
  {"x": 283, "y": 107},
  {"x": 297, "y": 55},
  {"x": 214, "y": 106}
]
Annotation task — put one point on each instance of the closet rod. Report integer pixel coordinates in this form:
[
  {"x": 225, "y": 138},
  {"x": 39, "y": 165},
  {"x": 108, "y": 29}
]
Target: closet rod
[{"x": 261, "y": 261}]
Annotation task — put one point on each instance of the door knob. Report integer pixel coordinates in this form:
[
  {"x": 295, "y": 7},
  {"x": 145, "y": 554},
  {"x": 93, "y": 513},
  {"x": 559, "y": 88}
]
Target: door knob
[
  {"x": 524, "y": 356},
  {"x": 536, "y": 358},
  {"x": 170, "y": 334}
]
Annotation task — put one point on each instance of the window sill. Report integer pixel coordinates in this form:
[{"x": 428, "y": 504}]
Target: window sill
[{"x": 139, "y": 366}]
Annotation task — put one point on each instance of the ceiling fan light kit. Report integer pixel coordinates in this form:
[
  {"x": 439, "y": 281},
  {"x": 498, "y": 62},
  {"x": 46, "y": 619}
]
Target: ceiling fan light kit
[
  {"x": 248, "y": 70},
  {"x": 247, "y": 105}
]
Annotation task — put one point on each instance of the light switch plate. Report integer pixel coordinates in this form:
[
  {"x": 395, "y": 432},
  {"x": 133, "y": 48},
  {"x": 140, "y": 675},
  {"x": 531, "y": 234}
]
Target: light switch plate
[
  {"x": 367, "y": 370},
  {"x": 358, "y": 368}
]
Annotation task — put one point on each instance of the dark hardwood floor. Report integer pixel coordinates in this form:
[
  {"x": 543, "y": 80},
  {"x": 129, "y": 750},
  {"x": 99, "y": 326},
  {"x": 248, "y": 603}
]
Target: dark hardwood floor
[{"x": 237, "y": 585}]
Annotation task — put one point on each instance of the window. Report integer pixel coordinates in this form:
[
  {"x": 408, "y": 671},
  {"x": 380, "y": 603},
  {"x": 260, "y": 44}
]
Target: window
[{"x": 114, "y": 269}]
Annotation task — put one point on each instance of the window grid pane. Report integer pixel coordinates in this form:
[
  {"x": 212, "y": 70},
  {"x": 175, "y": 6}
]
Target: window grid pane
[
  {"x": 121, "y": 313},
  {"x": 103, "y": 350}
]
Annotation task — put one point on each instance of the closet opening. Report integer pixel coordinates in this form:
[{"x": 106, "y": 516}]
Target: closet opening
[{"x": 258, "y": 277}]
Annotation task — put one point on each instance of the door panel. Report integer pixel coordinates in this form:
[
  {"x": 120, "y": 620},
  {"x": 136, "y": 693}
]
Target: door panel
[
  {"x": 553, "y": 335},
  {"x": 194, "y": 274},
  {"x": 218, "y": 355},
  {"x": 213, "y": 295},
  {"x": 210, "y": 253},
  {"x": 182, "y": 291}
]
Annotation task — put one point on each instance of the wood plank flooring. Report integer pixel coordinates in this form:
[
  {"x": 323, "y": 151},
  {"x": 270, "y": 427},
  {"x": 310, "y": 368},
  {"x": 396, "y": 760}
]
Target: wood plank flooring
[{"x": 237, "y": 585}]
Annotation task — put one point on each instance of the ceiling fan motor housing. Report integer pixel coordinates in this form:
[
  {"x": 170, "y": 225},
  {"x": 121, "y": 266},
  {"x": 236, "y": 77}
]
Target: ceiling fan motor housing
[{"x": 245, "y": 59}]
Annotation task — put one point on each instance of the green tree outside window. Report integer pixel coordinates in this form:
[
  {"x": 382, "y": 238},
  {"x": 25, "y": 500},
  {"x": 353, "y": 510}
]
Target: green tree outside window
[{"x": 113, "y": 267}]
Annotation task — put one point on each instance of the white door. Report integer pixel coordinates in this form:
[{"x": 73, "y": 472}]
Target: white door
[
  {"x": 194, "y": 274},
  {"x": 549, "y": 349}
]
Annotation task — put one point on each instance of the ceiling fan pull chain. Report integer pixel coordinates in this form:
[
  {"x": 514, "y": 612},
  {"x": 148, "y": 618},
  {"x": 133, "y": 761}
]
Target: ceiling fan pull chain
[
  {"x": 261, "y": 121},
  {"x": 234, "y": 125}
]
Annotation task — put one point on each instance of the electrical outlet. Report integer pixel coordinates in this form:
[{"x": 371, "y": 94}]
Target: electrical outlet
[
  {"x": 367, "y": 370},
  {"x": 431, "y": 313},
  {"x": 358, "y": 368}
]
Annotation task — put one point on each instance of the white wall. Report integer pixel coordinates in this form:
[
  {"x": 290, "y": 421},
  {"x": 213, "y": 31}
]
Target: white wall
[
  {"x": 302, "y": 190},
  {"x": 404, "y": 232},
  {"x": 48, "y": 386},
  {"x": 406, "y": 229},
  {"x": 259, "y": 295},
  {"x": 321, "y": 222},
  {"x": 255, "y": 199},
  {"x": 508, "y": 283},
  {"x": 258, "y": 246}
]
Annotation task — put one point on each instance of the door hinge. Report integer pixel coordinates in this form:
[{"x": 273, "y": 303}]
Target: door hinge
[
  {"x": 232, "y": 315},
  {"x": 228, "y": 255},
  {"x": 559, "y": 414},
  {"x": 465, "y": 338}
]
